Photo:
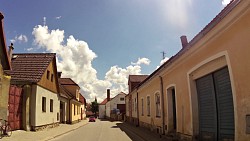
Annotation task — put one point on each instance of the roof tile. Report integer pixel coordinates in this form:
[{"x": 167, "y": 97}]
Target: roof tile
[{"x": 30, "y": 66}]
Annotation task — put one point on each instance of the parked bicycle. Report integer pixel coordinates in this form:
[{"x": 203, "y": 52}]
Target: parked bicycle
[{"x": 5, "y": 129}]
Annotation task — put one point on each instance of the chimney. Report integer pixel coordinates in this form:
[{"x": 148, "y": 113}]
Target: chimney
[
  {"x": 108, "y": 94},
  {"x": 184, "y": 41},
  {"x": 11, "y": 48},
  {"x": 59, "y": 74}
]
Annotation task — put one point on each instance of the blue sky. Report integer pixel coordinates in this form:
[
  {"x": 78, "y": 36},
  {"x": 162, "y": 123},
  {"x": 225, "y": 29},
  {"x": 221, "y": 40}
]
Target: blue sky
[{"x": 107, "y": 40}]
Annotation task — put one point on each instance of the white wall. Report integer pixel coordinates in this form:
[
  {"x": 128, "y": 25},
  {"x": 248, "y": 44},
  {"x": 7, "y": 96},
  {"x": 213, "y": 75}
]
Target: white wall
[
  {"x": 108, "y": 109},
  {"x": 102, "y": 111},
  {"x": 116, "y": 100},
  {"x": 43, "y": 118}
]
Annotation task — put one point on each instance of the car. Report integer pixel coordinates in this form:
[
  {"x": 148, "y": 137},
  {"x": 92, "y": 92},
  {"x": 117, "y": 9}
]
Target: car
[{"x": 91, "y": 119}]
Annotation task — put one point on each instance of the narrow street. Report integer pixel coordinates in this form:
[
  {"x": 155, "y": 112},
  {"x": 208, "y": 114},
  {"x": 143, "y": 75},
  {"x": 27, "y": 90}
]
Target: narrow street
[{"x": 108, "y": 131}]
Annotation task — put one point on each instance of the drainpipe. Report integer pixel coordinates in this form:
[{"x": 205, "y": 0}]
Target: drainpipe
[
  {"x": 163, "y": 111},
  {"x": 137, "y": 109}
]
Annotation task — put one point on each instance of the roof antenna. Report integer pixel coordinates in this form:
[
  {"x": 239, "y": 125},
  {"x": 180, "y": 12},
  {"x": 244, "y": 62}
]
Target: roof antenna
[{"x": 163, "y": 55}]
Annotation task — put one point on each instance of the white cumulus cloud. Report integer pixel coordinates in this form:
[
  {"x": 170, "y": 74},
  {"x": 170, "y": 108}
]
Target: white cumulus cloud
[
  {"x": 21, "y": 39},
  {"x": 74, "y": 59},
  {"x": 225, "y": 2},
  {"x": 140, "y": 61}
]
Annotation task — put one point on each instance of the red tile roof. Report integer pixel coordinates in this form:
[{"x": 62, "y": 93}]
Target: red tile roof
[
  {"x": 30, "y": 66},
  {"x": 5, "y": 58},
  {"x": 137, "y": 78},
  {"x": 82, "y": 99},
  {"x": 66, "y": 81},
  {"x": 104, "y": 102}
]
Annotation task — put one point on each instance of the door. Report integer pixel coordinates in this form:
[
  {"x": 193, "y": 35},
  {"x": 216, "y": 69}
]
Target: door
[
  {"x": 15, "y": 107},
  {"x": 174, "y": 109},
  {"x": 216, "y": 110}
]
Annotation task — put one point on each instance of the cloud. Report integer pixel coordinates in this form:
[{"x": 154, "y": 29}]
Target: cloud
[
  {"x": 162, "y": 62},
  {"x": 140, "y": 61},
  {"x": 225, "y": 2},
  {"x": 30, "y": 49},
  {"x": 74, "y": 59},
  {"x": 59, "y": 17},
  {"x": 119, "y": 77},
  {"x": 21, "y": 39}
]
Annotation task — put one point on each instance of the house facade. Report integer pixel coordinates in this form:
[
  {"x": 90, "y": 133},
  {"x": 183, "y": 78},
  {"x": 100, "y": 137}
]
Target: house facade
[
  {"x": 4, "y": 77},
  {"x": 72, "y": 89},
  {"x": 83, "y": 107},
  {"x": 36, "y": 75},
  {"x": 132, "y": 111},
  {"x": 201, "y": 93},
  {"x": 102, "y": 109}
]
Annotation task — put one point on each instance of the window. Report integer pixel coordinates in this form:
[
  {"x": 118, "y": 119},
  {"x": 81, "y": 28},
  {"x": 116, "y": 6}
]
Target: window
[
  {"x": 158, "y": 105},
  {"x": 52, "y": 77},
  {"x": 51, "y": 105},
  {"x": 142, "y": 109},
  {"x": 48, "y": 74},
  {"x": 43, "y": 104},
  {"x": 122, "y": 99},
  {"x": 148, "y": 105}
]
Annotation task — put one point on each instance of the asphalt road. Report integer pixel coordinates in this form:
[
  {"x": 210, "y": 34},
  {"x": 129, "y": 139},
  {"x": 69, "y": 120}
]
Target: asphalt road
[{"x": 101, "y": 131}]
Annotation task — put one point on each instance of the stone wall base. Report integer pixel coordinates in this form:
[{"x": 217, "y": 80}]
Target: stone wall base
[{"x": 42, "y": 127}]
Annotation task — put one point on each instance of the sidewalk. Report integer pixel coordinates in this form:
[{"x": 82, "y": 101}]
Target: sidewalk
[{"x": 45, "y": 135}]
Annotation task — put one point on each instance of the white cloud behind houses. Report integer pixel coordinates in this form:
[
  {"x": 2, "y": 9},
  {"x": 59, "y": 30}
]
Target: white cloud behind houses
[
  {"x": 21, "y": 39},
  {"x": 74, "y": 59},
  {"x": 225, "y": 2}
]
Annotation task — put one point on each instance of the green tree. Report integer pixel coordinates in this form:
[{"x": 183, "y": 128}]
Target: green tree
[{"x": 94, "y": 107}]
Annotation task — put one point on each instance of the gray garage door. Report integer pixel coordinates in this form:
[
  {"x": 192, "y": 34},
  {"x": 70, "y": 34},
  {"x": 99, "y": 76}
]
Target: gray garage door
[{"x": 216, "y": 111}]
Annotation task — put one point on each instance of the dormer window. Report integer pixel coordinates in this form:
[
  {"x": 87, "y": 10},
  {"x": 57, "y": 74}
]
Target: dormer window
[{"x": 48, "y": 74}]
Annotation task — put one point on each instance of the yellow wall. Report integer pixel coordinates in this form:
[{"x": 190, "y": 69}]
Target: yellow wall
[
  {"x": 44, "y": 82},
  {"x": 4, "y": 93},
  {"x": 150, "y": 89},
  {"x": 77, "y": 115}
]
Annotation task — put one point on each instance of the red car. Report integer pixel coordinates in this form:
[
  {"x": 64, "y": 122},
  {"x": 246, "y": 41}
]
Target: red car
[{"x": 91, "y": 119}]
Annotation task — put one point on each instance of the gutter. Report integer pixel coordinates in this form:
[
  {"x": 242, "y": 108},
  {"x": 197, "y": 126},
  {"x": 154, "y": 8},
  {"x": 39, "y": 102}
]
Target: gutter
[{"x": 163, "y": 110}]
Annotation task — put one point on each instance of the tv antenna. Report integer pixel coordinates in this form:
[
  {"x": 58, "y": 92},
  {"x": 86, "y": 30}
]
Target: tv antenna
[{"x": 163, "y": 55}]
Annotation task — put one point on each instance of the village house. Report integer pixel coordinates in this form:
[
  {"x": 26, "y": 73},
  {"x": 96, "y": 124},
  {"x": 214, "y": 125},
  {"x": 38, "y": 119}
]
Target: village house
[
  {"x": 132, "y": 98},
  {"x": 83, "y": 107},
  {"x": 70, "y": 88},
  {"x": 115, "y": 106},
  {"x": 4, "y": 77},
  {"x": 102, "y": 108},
  {"x": 34, "y": 91},
  {"x": 202, "y": 92}
]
